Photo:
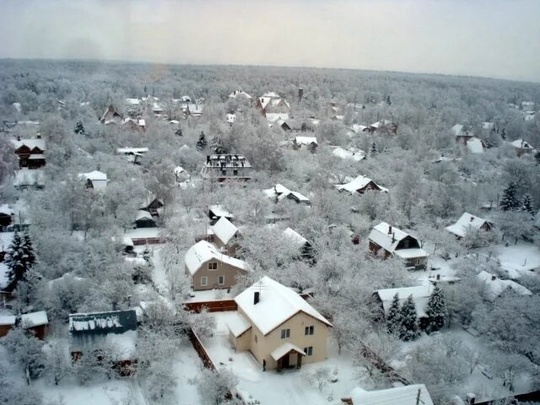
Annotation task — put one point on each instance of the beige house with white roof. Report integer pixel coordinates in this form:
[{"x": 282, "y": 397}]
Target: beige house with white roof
[
  {"x": 278, "y": 326},
  {"x": 210, "y": 269}
]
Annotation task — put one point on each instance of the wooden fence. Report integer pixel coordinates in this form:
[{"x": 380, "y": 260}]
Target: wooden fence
[{"x": 211, "y": 306}]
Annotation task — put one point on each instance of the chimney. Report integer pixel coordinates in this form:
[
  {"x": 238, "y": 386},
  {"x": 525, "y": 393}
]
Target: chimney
[
  {"x": 256, "y": 297},
  {"x": 472, "y": 218},
  {"x": 18, "y": 138},
  {"x": 389, "y": 229},
  {"x": 493, "y": 277},
  {"x": 393, "y": 237}
]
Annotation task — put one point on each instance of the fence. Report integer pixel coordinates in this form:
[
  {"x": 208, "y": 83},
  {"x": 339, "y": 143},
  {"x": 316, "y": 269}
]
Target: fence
[{"x": 211, "y": 306}]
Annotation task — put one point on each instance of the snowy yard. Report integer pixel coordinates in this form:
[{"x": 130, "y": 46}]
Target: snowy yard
[
  {"x": 516, "y": 260},
  {"x": 270, "y": 387}
]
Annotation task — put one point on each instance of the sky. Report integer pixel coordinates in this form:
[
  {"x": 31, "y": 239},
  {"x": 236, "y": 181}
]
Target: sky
[{"x": 489, "y": 38}]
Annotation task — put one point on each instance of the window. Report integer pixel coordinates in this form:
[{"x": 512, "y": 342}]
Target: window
[
  {"x": 309, "y": 350},
  {"x": 223, "y": 172},
  {"x": 309, "y": 330},
  {"x": 235, "y": 172},
  {"x": 285, "y": 333},
  {"x": 204, "y": 281},
  {"x": 212, "y": 266},
  {"x": 256, "y": 339},
  {"x": 221, "y": 280}
]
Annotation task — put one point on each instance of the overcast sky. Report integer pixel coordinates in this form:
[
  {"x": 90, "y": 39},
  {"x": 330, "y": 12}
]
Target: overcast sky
[{"x": 492, "y": 38}]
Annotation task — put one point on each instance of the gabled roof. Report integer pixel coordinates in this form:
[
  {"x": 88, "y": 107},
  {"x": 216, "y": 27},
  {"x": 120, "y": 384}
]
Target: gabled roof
[
  {"x": 276, "y": 305},
  {"x": 457, "y": 130},
  {"x": 5, "y": 210},
  {"x": 305, "y": 140},
  {"x": 224, "y": 230},
  {"x": 388, "y": 238},
  {"x": 95, "y": 175},
  {"x": 220, "y": 211},
  {"x": 294, "y": 237},
  {"x": 358, "y": 184},
  {"x": 281, "y": 192},
  {"x": 464, "y": 222},
  {"x": 349, "y": 153},
  {"x": 34, "y": 319},
  {"x": 30, "y": 143},
  {"x": 284, "y": 349},
  {"x": 520, "y": 143},
  {"x": 141, "y": 214},
  {"x": 407, "y": 395},
  {"x": 239, "y": 93},
  {"x": 494, "y": 286},
  {"x": 419, "y": 293},
  {"x": 203, "y": 251}
]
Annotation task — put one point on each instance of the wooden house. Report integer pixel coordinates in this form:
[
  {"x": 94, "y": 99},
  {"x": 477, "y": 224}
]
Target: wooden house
[
  {"x": 461, "y": 134},
  {"x": 111, "y": 116},
  {"x": 226, "y": 167},
  {"x": 31, "y": 152},
  {"x": 360, "y": 185},
  {"x": 278, "y": 327},
  {"x": 522, "y": 147},
  {"x": 385, "y": 241},
  {"x": 35, "y": 323},
  {"x": 466, "y": 222}
]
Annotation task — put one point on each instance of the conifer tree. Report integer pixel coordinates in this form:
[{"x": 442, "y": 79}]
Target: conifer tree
[
  {"x": 79, "y": 128},
  {"x": 408, "y": 327},
  {"x": 202, "y": 142},
  {"x": 527, "y": 204},
  {"x": 179, "y": 132},
  {"x": 20, "y": 258},
  {"x": 509, "y": 200},
  {"x": 374, "y": 150},
  {"x": 436, "y": 310},
  {"x": 393, "y": 319}
]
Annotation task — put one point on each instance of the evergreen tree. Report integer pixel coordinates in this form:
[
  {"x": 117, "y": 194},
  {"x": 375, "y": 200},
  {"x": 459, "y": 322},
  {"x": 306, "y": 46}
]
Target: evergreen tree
[
  {"x": 408, "y": 326},
  {"x": 527, "y": 204},
  {"x": 202, "y": 142},
  {"x": 393, "y": 319},
  {"x": 79, "y": 128},
  {"x": 388, "y": 100},
  {"x": 509, "y": 200},
  {"x": 16, "y": 262},
  {"x": 373, "y": 151},
  {"x": 537, "y": 157},
  {"x": 178, "y": 132},
  {"x": 436, "y": 310},
  {"x": 28, "y": 249}
]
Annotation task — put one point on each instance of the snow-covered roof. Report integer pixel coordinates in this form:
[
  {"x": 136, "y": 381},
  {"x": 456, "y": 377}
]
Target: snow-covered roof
[
  {"x": 521, "y": 144},
  {"x": 30, "y": 143},
  {"x": 203, "y": 251},
  {"x": 358, "y": 128},
  {"x": 133, "y": 101},
  {"x": 358, "y": 184},
  {"x": 305, "y": 140},
  {"x": 25, "y": 177},
  {"x": 219, "y": 211},
  {"x": 143, "y": 233},
  {"x": 4, "y": 270},
  {"x": 6, "y": 320},
  {"x": 34, "y": 319},
  {"x": 419, "y": 293},
  {"x": 281, "y": 192},
  {"x": 231, "y": 118},
  {"x": 142, "y": 214},
  {"x": 112, "y": 321},
  {"x": 128, "y": 151},
  {"x": 237, "y": 324},
  {"x": 273, "y": 117},
  {"x": 239, "y": 93},
  {"x": 350, "y": 153},
  {"x": 458, "y": 130},
  {"x": 4, "y": 209},
  {"x": 407, "y": 395},
  {"x": 284, "y": 349},
  {"x": 224, "y": 230},
  {"x": 388, "y": 237},
  {"x": 277, "y": 304},
  {"x": 465, "y": 222},
  {"x": 294, "y": 237},
  {"x": 475, "y": 145},
  {"x": 98, "y": 179},
  {"x": 494, "y": 286}
]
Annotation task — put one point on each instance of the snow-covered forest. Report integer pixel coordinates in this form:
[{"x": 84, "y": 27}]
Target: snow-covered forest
[{"x": 434, "y": 147}]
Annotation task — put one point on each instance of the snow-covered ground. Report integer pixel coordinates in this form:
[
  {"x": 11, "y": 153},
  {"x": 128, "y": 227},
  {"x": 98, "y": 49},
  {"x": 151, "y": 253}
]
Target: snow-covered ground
[
  {"x": 516, "y": 260},
  {"x": 187, "y": 365},
  {"x": 270, "y": 387}
]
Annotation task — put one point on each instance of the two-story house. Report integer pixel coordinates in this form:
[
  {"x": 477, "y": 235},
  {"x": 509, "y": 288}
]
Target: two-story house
[
  {"x": 278, "y": 327},
  {"x": 222, "y": 167},
  {"x": 210, "y": 269},
  {"x": 31, "y": 152},
  {"x": 388, "y": 241}
]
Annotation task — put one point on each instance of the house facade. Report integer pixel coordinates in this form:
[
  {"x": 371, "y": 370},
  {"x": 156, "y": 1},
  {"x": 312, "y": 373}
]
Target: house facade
[
  {"x": 468, "y": 221},
  {"x": 278, "y": 327},
  {"x": 225, "y": 167},
  {"x": 386, "y": 241},
  {"x": 210, "y": 269},
  {"x": 31, "y": 152}
]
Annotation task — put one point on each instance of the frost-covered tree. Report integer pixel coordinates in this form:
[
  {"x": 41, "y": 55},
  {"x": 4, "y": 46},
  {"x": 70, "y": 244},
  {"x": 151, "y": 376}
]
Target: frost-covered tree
[
  {"x": 202, "y": 142},
  {"x": 373, "y": 151},
  {"x": 214, "y": 386},
  {"x": 527, "y": 204},
  {"x": 393, "y": 318},
  {"x": 436, "y": 310},
  {"x": 27, "y": 351},
  {"x": 509, "y": 200},
  {"x": 20, "y": 259},
  {"x": 408, "y": 327},
  {"x": 58, "y": 363},
  {"x": 79, "y": 128}
]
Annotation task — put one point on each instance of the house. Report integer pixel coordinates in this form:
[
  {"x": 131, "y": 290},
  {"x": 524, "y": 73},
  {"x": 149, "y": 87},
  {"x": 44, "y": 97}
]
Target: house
[
  {"x": 522, "y": 147},
  {"x": 223, "y": 167},
  {"x": 133, "y": 154},
  {"x": 461, "y": 134},
  {"x": 225, "y": 235},
  {"x": 383, "y": 127},
  {"x": 7, "y": 216},
  {"x": 280, "y": 193},
  {"x": 26, "y": 178},
  {"x": 144, "y": 220},
  {"x": 350, "y": 153},
  {"x": 420, "y": 295},
  {"x": 278, "y": 327},
  {"x": 134, "y": 124},
  {"x": 307, "y": 141},
  {"x": 468, "y": 221},
  {"x": 34, "y": 322},
  {"x": 360, "y": 185},
  {"x": 390, "y": 241},
  {"x": 215, "y": 212},
  {"x": 240, "y": 94},
  {"x": 96, "y": 180},
  {"x": 406, "y": 395},
  {"x": 111, "y": 116},
  {"x": 210, "y": 269},
  {"x": 153, "y": 205},
  {"x": 31, "y": 152},
  {"x": 475, "y": 145},
  {"x": 272, "y": 102},
  {"x": 300, "y": 244},
  {"x": 110, "y": 336},
  {"x": 494, "y": 287}
]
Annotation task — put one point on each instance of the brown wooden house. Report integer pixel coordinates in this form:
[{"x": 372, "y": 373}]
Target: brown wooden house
[{"x": 31, "y": 152}]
